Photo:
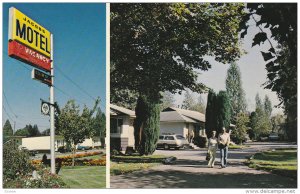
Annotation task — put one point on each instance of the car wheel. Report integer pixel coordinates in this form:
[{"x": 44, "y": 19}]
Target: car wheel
[
  {"x": 176, "y": 148},
  {"x": 166, "y": 147}
]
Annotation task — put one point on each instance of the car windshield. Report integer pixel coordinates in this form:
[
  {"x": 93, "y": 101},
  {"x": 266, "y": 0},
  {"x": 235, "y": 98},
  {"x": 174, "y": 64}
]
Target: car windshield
[
  {"x": 169, "y": 138},
  {"x": 179, "y": 137},
  {"x": 161, "y": 137}
]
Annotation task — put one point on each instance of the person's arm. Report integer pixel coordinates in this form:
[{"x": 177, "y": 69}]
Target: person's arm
[{"x": 228, "y": 139}]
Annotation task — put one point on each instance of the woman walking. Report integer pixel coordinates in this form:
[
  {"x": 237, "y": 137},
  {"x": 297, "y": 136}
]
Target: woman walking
[{"x": 212, "y": 148}]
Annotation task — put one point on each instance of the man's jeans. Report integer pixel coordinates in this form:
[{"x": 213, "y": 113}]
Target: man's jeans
[{"x": 224, "y": 153}]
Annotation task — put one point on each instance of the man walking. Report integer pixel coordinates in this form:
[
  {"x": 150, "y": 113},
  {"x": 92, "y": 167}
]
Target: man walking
[{"x": 223, "y": 143}]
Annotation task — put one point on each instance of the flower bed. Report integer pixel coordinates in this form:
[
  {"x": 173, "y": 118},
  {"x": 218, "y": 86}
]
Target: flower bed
[
  {"x": 81, "y": 155},
  {"x": 66, "y": 161}
]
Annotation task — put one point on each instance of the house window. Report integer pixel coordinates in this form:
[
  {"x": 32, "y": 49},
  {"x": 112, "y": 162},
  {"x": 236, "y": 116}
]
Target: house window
[{"x": 116, "y": 125}]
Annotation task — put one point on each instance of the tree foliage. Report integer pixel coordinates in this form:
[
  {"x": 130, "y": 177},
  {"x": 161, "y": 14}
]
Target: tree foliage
[
  {"x": 157, "y": 47},
  {"x": 7, "y": 131},
  {"x": 217, "y": 112},
  {"x": 188, "y": 101},
  {"x": 167, "y": 100},
  {"x": 99, "y": 126},
  {"x": 281, "y": 62},
  {"x": 146, "y": 125},
  {"x": 235, "y": 91},
  {"x": 223, "y": 111},
  {"x": 240, "y": 132},
  {"x": 76, "y": 127},
  {"x": 260, "y": 121},
  {"x": 268, "y": 106},
  {"x": 29, "y": 131},
  {"x": 210, "y": 113}
]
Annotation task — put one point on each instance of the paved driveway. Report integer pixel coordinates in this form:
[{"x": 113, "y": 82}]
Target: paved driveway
[{"x": 190, "y": 171}]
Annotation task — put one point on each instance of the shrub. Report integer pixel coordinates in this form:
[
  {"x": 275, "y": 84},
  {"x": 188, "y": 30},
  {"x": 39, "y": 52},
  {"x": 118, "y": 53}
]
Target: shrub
[
  {"x": 44, "y": 180},
  {"x": 200, "y": 141},
  {"x": 15, "y": 162}
]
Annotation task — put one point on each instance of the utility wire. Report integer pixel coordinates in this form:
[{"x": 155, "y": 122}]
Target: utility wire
[
  {"x": 5, "y": 98},
  {"x": 84, "y": 91},
  {"x": 7, "y": 113},
  {"x": 67, "y": 77}
]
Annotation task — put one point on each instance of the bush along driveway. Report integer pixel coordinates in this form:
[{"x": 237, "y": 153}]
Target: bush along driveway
[{"x": 190, "y": 171}]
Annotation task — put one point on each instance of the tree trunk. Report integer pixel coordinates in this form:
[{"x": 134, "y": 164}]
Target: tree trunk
[
  {"x": 73, "y": 157},
  {"x": 146, "y": 126}
]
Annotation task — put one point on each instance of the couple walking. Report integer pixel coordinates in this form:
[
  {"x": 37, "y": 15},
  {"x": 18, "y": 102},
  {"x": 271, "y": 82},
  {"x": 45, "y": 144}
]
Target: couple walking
[{"x": 222, "y": 142}]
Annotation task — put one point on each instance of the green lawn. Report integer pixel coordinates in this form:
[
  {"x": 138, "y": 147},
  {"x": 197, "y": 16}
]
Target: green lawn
[
  {"x": 126, "y": 164},
  {"x": 280, "y": 161},
  {"x": 84, "y": 176}
]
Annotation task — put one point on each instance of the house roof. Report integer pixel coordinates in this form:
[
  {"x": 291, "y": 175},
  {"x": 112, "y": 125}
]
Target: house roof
[
  {"x": 174, "y": 116},
  {"x": 172, "y": 113},
  {"x": 117, "y": 110}
]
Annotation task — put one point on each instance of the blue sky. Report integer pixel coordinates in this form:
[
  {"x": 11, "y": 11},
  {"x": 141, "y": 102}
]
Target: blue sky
[
  {"x": 252, "y": 67},
  {"x": 79, "y": 52}
]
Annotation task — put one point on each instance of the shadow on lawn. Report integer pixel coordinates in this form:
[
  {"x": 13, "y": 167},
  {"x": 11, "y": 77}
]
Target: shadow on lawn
[{"x": 180, "y": 179}]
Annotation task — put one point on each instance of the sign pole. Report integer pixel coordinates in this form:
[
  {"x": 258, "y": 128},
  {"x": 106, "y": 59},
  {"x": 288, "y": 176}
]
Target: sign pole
[{"x": 52, "y": 128}]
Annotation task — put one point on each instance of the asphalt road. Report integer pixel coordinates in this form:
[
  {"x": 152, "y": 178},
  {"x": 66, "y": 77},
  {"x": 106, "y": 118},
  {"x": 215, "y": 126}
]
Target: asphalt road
[{"x": 190, "y": 171}]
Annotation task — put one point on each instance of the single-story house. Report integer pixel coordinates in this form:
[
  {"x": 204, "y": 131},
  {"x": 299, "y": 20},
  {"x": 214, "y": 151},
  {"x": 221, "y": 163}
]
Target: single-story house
[
  {"x": 121, "y": 128},
  {"x": 181, "y": 121},
  {"x": 42, "y": 143},
  {"x": 172, "y": 120}
]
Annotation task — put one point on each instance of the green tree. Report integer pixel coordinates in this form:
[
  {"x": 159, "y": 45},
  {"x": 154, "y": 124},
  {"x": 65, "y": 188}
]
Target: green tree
[
  {"x": 281, "y": 62},
  {"x": 7, "y": 131},
  {"x": 99, "y": 126},
  {"x": 268, "y": 106},
  {"x": 22, "y": 132},
  {"x": 188, "y": 101},
  {"x": 261, "y": 124},
  {"x": 158, "y": 47},
  {"x": 223, "y": 112},
  {"x": 167, "y": 100},
  {"x": 253, "y": 120},
  {"x": 279, "y": 125},
  {"x": 242, "y": 121},
  {"x": 146, "y": 125},
  {"x": 76, "y": 127},
  {"x": 46, "y": 132},
  {"x": 235, "y": 91},
  {"x": 33, "y": 130},
  {"x": 258, "y": 102},
  {"x": 199, "y": 105},
  {"x": 210, "y": 113}
]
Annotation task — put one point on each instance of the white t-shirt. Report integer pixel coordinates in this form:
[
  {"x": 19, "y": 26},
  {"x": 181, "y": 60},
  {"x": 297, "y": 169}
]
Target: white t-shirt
[{"x": 224, "y": 138}]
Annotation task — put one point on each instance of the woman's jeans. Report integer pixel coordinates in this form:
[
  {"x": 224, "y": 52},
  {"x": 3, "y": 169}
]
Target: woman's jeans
[{"x": 224, "y": 153}]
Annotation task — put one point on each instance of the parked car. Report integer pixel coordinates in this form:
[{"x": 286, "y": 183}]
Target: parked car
[
  {"x": 172, "y": 141},
  {"x": 80, "y": 147},
  {"x": 273, "y": 137}
]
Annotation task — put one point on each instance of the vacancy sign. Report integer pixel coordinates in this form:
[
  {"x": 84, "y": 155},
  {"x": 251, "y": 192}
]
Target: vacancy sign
[
  {"x": 29, "y": 56},
  {"x": 29, "y": 41}
]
